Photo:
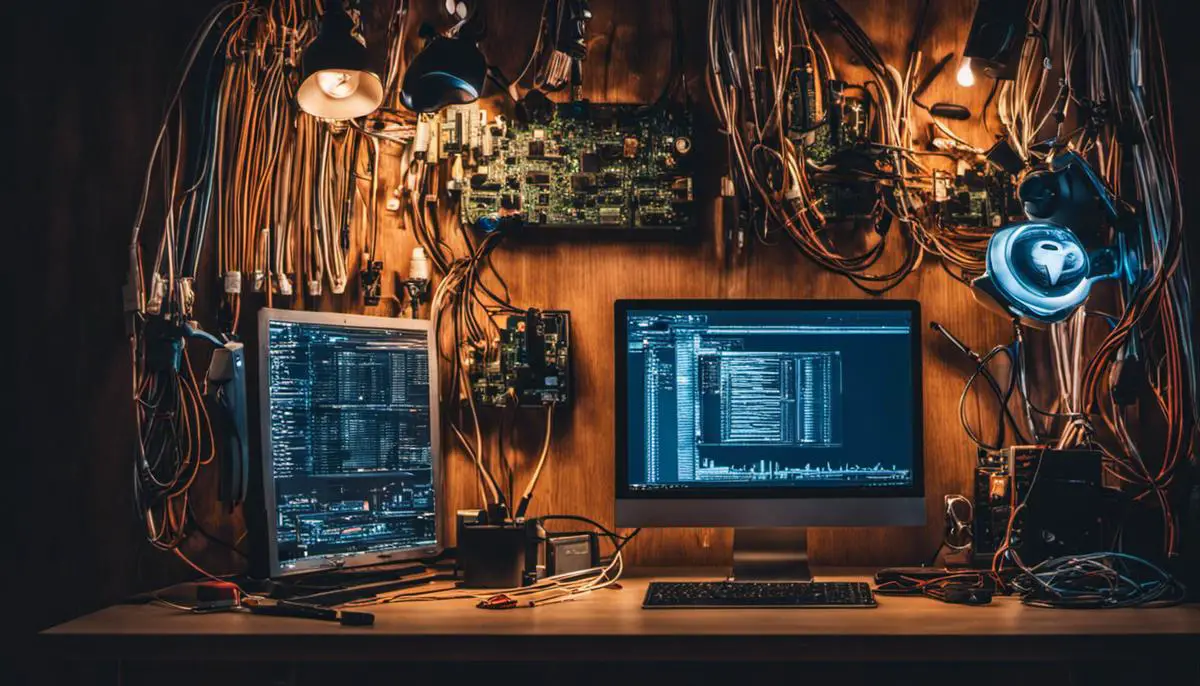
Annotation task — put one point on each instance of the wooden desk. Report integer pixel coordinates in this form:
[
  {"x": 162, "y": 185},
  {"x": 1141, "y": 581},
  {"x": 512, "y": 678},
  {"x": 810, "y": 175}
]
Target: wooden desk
[{"x": 610, "y": 627}]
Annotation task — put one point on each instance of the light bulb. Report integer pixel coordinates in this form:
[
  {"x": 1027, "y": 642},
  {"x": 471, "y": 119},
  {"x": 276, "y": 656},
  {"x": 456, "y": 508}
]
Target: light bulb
[
  {"x": 965, "y": 75},
  {"x": 338, "y": 84}
]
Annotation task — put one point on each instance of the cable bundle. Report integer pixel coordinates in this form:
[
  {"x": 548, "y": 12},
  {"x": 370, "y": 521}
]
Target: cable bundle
[
  {"x": 1146, "y": 350},
  {"x": 937, "y": 587},
  {"x": 548, "y": 591},
  {"x": 752, "y": 66},
  {"x": 466, "y": 306},
  {"x": 175, "y": 436},
  {"x": 237, "y": 160},
  {"x": 1101, "y": 580},
  {"x": 175, "y": 440}
]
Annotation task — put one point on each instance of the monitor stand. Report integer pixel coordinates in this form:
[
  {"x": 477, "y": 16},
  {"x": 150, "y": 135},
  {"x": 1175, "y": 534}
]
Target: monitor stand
[{"x": 770, "y": 555}]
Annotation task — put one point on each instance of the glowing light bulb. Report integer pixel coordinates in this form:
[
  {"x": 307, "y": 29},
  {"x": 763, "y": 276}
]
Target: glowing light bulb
[
  {"x": 965, "y": 75},
  {"x": 338, "y": 84}
]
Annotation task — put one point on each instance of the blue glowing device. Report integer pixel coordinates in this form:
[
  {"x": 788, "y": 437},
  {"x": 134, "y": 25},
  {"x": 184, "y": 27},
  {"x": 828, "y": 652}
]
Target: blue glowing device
[{"x": 1040, "y": 272}]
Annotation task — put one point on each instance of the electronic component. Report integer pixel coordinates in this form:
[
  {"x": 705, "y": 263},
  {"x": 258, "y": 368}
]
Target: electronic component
[
  {"x": 1003, "y": 156},
  {"x": 589, "y": 167},
  {"x": 417, "y": 283},
  {"x": 287, "y": 608},
  {"x": 216, "y": 595},
  {"x": 846, "y": 124},
  {"x": 978, "y": 196},
  {"x": 496, "y": 555},
  {"x": 1041, "y": 273},
  {"x": 1060, "y": 497},
  {"x": 372, "y": 280},
  {"x": 227, "y": 392},
  {"x": 753, "y": 413},
  {"x": 571, "y": 553},
  {"x": 965, "y": 595},
  {"x": 765, "y": 594},
  {"x": 836, "y": 146},
  {"x": 530, "y": 362},
  {"x": 350, "y": 440},
  {"x": 458, "y": 129},
  {"x": 1068, "y": 192}
]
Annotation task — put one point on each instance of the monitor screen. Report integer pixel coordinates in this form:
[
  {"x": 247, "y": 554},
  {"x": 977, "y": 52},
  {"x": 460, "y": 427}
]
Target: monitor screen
[
  {"x": 351, "y": 441},
  {"x": 747, "y": 399}
]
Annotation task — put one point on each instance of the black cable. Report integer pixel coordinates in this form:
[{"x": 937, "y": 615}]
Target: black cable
[
  {"x": 1002, "y": 397},
  {"x": 202, "y": 173},
  {"x": 626, "y": 540},
  {"x": 1103, "y": 580},
  {"x": 579, "y": 518},
  {"x": 675, "y": 71}
]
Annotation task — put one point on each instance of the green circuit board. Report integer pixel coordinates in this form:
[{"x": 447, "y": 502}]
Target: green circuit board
[
  {"x": 979, "y": 196},
  {"x": 833, "y": 144},
  {"x": 531, "y": 361},
  {"x": 589, "y": 166}
]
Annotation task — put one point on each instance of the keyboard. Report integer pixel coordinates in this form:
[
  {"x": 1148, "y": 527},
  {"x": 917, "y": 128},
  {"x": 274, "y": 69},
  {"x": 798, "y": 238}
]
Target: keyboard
[{"x": 751, "y": 594}]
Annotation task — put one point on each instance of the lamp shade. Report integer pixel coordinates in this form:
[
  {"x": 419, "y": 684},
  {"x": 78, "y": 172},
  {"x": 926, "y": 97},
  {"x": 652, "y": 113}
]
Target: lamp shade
[
  {"x": 449, "y": 71},
  {"x": 336, "y": 81},
  {"x": 997, "y": 34}
]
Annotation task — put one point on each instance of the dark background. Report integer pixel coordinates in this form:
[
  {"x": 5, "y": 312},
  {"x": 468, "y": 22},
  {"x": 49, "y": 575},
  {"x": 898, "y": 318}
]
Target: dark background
[{"x": 84, "y": 86}]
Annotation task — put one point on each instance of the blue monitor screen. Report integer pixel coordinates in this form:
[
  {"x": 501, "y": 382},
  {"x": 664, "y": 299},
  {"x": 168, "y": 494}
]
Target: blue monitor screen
[
  {"x": 351, "y": 450},
  {"x": 758, "y": 398}
]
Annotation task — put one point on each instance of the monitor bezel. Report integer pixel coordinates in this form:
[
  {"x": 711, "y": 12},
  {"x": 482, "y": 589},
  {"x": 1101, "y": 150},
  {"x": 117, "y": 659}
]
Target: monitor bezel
[
  {"x": 624, "y": 490},
  {"x": 331, "y": 562}
]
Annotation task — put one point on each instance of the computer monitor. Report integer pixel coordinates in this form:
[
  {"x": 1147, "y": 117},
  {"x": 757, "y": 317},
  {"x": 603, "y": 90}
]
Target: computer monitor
[
  {"x": 768, "y": 413},
  {"x": 350, "y": 440}
]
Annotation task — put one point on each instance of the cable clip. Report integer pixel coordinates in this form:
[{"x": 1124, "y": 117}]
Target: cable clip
[
  {"x": 187, "y": 296},
  {"x": 158, "y": 292},
  {"x": 233, "y": 283}
]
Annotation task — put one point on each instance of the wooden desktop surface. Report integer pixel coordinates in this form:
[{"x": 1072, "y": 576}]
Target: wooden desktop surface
[{"x": 610, "y": 625}]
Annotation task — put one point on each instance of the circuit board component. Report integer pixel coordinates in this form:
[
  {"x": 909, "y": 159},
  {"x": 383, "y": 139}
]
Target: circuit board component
[
  {"x": 530, "y": 363},
  {"x": 836, "y": 142},
  {"x": 587, "y": 166},
  {"x": 980, "y": 196}
]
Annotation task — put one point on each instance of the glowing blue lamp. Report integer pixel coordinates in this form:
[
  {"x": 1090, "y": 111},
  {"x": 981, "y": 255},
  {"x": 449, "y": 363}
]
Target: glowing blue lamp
[{"x": 1040, "y": 272}]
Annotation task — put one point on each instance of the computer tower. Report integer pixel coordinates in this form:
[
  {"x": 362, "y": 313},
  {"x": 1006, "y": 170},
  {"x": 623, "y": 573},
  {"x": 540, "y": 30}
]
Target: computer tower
[{"x": 1058, "y": 496}]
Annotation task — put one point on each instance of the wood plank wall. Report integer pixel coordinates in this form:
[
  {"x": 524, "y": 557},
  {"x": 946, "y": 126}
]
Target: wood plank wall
[
  {"x": 91, "y": 79},
  {"x": 627, "y": 62}
]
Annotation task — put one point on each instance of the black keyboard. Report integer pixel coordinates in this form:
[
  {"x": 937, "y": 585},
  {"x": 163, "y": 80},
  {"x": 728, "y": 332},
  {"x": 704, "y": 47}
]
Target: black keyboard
[{"x": 749, "y": 594}]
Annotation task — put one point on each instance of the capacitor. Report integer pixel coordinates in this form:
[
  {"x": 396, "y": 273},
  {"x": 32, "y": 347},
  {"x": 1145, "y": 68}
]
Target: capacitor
[
  {"x": 418, "y": 264},
  {"x": 421, "y": 138}
]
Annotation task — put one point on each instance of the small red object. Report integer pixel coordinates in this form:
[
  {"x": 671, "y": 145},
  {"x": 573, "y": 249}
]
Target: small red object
[
  {"x": 498, "y": 602},
  {"x": 216, "y": 591}
]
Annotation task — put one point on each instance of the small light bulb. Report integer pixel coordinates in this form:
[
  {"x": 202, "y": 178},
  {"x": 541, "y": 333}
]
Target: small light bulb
[
  {"x": 338, "y": 84},
  {"x": 965, "y": 75}
]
